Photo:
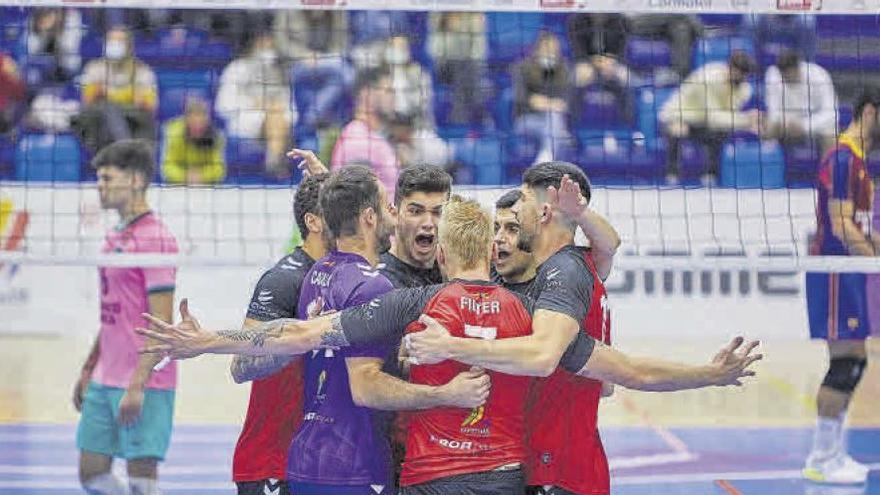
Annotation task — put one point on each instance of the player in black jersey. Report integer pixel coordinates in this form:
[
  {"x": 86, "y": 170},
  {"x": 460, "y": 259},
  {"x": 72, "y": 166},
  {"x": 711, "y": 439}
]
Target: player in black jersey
[{"x": 421, "y": 192}]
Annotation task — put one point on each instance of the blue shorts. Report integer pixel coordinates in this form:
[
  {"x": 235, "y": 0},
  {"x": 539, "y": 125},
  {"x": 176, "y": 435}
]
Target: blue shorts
[
  {"x": 99, "y": 430},
  {"x": 297, "y": 488},
  {"x": 837, "y": 306}
]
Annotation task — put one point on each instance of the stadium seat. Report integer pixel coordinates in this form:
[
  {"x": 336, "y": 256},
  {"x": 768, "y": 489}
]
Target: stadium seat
[
  {"x": 801, "y": 162},
  {"x": 7, "y": 155},
  {"x": 620, "y": 154},
  {"x": 645, "y": 53},
  {"x": 48, "y": 157},
  {"x": 750, "y": 163},
  {"x": 484, "y": 156},
  {"x": 718, "y": 49},
  {"x": 511, "y": 35},
  {"x": 599, "y": 109},
  {"x": 245, "y": 161},
  {"x": 650, "y": 100},
  {"x": 848, "y": 42},
  {"x": 175, "y": 86}
]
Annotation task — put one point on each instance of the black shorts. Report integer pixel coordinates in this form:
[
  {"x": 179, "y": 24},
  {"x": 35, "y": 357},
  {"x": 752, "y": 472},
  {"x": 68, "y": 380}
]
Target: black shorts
[
  {"x": 262, "y": 487},
  {"x": 553, "y": 490},
  {"x": 486, "y": 483}
]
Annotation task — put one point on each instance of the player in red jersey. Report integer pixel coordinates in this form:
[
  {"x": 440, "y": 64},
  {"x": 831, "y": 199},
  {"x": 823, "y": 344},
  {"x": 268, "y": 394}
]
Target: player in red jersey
[
  {"x": 275, "y": 406},
  {"x": 565, "y": 453}
]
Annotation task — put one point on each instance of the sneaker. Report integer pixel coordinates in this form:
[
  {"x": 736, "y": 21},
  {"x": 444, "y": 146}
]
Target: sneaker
[{"x": 840, "y": 469}]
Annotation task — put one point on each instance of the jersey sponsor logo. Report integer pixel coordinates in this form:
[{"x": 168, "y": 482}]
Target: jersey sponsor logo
[
  {"x": 321, "y": 279},
  {"x": 452, "y": 444},
  {"x": 476, "y": 423},
  {"x": 320, "y": 418},
  {"x": 551, "y": 274},
  {"x": 319, "y": 393}
]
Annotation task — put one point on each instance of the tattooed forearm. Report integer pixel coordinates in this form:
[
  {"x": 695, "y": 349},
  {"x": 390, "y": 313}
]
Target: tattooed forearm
[
  {"x": 258, "y": 335},
  {"x": 334, "y": 337},
  {"x": 248, "y": 368}
]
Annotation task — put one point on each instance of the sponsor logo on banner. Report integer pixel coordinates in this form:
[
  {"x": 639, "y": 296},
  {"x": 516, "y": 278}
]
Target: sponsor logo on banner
[
  {"x": 562, "y": 4},
  {"x": 680, "y": 4},
  {"x": 13, "y": 227},
  {"x": 321, "y": 3},
  {"x": 798, "y": 5},
  {"x": 740, "y": 4}
]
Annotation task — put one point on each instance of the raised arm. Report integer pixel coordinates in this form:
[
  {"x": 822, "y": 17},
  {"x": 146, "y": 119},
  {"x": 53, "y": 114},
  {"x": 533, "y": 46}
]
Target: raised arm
[
  {"x": 603, "y": 238},
  {"x": 728, "y": 367},
  {"x": 285, "y": 336},
  {"x": 247, "y": 368}
]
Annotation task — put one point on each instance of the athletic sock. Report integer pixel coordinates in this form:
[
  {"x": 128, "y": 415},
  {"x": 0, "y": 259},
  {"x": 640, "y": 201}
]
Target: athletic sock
[
  {"x": 143, "y": 486},
  {"x": 106, "y": 484},
  {"x": 827, "y": 438}
]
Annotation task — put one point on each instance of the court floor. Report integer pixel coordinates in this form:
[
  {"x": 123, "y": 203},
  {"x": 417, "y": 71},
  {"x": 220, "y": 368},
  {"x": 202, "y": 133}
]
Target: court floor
[{"x": 41, "y": 459}]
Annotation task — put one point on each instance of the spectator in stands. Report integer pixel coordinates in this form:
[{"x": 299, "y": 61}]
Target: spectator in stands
[
  {"x": 795, "y": 30},
  {"x": 414, "y": 146},
  {"x": 679, "y": 30},
  {"x": 542, "y": 82},
  {"x": 193, "y": 150},
  {"x": 255, "y": 101},
  {"x": 364, "y": 140},
  {"x": 457, "y": 44},
  {"x": 707, "y": 108},
  {"x": 801, "y": 104},
  {"x": 56, "y": 33},
  {"x": 314, "y": 42},
  {"x": 370, "y": 32},
  {"x": 119, "y": 95},
  {"x": 598, "y": 42},
  {"x": 12, "y": 92},
  {"x": 414, "y": 102}
]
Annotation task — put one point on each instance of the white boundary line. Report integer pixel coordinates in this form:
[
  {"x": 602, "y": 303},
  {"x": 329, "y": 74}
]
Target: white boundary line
[{"x": 697, "y": 477}]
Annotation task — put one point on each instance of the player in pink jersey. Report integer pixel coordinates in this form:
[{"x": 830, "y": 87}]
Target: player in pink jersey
[{"x": 127, "y": 399}]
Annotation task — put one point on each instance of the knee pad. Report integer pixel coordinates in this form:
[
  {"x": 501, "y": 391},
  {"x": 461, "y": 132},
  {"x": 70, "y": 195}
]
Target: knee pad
[{"x": 844, "y": 374}]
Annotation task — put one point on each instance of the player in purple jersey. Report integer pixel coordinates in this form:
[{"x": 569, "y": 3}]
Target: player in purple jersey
[{"x": 342, "y": 447}]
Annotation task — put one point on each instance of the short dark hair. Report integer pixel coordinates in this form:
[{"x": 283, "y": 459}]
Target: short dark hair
[
  {"x": 134, "y": 155},
  {"x": 870, "y": 95},
  {"x": 421, "y": 178},
  {"x": 345, "y": 195},
  {"x": 788, "y": 60},
  {"x": 369, "y": 78},
  {"x": 306, "y": 201},
  {"x": 742, "y": 62},
  {"x": 508, "y": 199},
  {"x": 546, "y": 174}
]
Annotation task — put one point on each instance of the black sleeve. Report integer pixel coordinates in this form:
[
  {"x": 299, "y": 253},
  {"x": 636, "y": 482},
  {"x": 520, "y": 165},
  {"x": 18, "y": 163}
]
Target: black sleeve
[
  {"x": 578, "y": 353},
  {"x": 276, "y": 295},
  {"x": 384, "y": 319},
  {"x": 566, "y": 286}
]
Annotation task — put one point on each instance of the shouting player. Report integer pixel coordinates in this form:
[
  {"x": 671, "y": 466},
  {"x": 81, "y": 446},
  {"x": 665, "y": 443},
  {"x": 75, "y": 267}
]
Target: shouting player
[
  {"x": 274, "y": 412},
  {"x": 341, "y": 447},
  {"x": 837, "y": 302},
  {"x": 126, "y": 406}
]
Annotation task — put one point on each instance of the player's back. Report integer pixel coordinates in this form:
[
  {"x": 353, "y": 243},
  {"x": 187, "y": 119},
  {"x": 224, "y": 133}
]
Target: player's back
[
  {"x": 339, "y": 442},
  {"x": 275, "y": 405},
  {"x": 449, "y": 441},
  {"x": 842, "y": 175},
  {"x": 564, "y": 446}
]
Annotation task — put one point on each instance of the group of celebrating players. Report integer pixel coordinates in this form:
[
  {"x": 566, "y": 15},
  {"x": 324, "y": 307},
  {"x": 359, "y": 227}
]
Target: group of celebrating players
[{"x": 489, "y": 339}]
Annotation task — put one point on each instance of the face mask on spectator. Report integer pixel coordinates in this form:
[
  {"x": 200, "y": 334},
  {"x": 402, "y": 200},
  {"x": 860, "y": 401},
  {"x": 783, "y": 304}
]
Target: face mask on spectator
[
  {"x": 547, "y": 62},
  {"x": 115, "y": 50},
  {"x": 267, "y": 55},
  {"x": 397, "y": 55}
]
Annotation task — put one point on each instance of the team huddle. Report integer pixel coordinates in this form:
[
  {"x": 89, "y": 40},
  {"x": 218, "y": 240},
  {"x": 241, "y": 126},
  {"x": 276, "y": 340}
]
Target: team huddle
[
  {"x": 413, "y": 344},
  {"x": 489, "y": 337}
]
